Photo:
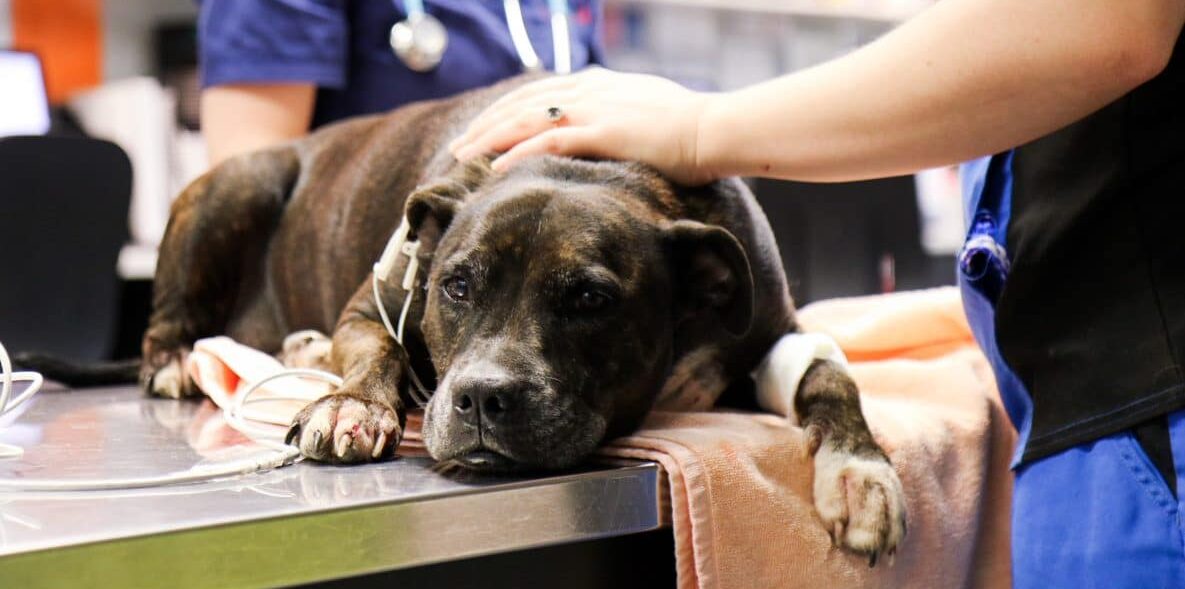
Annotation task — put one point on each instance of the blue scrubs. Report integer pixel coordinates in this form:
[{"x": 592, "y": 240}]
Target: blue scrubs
[
  {"x": 342, "y": 47},
  {"x": 1095, "y": 515}
]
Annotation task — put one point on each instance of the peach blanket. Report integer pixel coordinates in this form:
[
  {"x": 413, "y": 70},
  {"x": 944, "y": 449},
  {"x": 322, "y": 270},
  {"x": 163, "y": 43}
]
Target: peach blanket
[{"x": 740, "y": 483}]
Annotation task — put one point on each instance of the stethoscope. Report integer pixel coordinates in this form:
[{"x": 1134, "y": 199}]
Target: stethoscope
[{"x": 420, "y": 40}]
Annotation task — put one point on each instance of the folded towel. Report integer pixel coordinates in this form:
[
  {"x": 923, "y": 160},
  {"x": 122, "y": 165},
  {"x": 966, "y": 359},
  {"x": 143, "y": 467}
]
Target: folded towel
[
  {"x": 224, "y": 369},
  {"x": 740, "y": 483},
  {"x": 741, "y": 502}
]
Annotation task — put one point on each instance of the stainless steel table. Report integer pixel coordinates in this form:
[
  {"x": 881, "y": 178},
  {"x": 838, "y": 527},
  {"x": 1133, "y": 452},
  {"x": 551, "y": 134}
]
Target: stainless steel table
[{"x": 297, "y": 524}]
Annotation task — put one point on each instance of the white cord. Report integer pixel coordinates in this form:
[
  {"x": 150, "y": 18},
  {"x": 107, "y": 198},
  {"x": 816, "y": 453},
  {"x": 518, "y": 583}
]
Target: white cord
[
  {"x": 234, "y": 413},
  {"x": 7, "y": 403},
  {"x": 281, "y": 455},
  {"x": 397, "y": 245}
]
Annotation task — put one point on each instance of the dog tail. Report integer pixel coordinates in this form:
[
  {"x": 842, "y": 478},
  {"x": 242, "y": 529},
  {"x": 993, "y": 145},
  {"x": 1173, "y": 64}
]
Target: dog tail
[{"x": 79, "y": 374}]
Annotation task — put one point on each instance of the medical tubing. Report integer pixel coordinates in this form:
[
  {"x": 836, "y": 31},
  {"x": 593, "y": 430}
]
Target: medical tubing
[
  {"x": 420, "y": 394},
  {"x": 283, "y": 456},
  {"x": 234, "y": 413},
  {"x": 7, "y": 403}
]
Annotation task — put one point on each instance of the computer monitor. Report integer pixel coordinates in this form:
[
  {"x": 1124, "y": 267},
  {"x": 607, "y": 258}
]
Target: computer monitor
[{"x": 24, "y": 105}]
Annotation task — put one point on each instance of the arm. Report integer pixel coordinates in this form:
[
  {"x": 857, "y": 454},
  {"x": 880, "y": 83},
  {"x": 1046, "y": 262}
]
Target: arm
[
  {"x": 239, "y": 118},
  {"x": 963, "y": 79}
]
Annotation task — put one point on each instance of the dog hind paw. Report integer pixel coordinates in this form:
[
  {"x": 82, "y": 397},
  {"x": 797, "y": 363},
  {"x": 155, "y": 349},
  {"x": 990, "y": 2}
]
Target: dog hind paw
[
  {"x": 342, "y": 428},
  {"x": 861, "y": 502},
  {"x": 167, "y": 377}
]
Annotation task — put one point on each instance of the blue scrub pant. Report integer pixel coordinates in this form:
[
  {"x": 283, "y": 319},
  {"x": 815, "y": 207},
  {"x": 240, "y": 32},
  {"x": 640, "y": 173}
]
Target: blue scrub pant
[{"x": 1100, "y": 515}]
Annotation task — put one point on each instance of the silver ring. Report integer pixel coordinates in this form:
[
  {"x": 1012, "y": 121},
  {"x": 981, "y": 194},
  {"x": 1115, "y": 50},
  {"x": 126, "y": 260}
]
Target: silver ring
[{"x": 555, "y": 114}]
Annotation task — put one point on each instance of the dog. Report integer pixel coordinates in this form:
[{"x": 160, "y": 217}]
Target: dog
[{"x": 555, "y": 305}]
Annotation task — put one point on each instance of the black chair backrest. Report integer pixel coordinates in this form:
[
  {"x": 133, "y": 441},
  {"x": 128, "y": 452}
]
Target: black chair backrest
[{"x": 63, "y": 219}]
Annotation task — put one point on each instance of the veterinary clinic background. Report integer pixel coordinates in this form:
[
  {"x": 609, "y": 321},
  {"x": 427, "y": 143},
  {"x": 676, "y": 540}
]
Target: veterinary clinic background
[{"x": 975, "y": 205}]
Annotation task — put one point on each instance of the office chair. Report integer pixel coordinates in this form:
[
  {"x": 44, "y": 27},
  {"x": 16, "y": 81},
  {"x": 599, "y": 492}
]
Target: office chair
[{"x": 63, "y": 219}]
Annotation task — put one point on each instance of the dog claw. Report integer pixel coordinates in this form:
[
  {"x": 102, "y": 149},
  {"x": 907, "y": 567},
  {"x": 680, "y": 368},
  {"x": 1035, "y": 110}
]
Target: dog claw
[
  {"x": 340, "y": 429},
  {"x": 344, "y": 442},
  {"x": 872, "y": 560},
  {"x": 293, "y": 433},
  {"x": 378, "y": 445}
]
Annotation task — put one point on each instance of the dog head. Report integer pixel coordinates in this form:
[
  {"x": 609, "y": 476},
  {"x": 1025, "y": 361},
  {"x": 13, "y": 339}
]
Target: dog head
[{"x": 552, "y": 302}]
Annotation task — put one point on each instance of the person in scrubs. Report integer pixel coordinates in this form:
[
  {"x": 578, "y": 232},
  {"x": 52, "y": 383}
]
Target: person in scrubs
[
  {"x": 274, "y": 69},
  {"x": 1072, "y": 119}
]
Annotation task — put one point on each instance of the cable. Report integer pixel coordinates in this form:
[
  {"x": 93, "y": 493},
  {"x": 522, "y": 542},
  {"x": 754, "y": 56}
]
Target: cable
[
  {"x": 397, "y": 245},
  {"x": 280, "y": 454},
  {"x": 8, "y": 404}
]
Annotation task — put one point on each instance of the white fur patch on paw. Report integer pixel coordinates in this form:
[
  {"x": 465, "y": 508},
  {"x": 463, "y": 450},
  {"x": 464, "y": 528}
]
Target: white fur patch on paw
[
  {"x": 861, "y": 502},
  {"x": 169, "y": 381}
]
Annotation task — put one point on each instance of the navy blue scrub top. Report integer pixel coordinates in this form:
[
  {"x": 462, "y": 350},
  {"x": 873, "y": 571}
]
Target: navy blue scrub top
[{"x": 342, "y": 47}]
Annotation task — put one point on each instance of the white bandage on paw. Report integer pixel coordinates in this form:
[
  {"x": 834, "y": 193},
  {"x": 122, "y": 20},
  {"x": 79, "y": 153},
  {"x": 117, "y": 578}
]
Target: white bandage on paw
[{"x": 779, "y": 374}]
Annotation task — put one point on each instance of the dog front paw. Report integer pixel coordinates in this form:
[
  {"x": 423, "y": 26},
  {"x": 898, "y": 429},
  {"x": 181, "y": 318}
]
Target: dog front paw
[
  {"x": 342, "y": 428},
  {"x": 861, "y": 501},
  {"x": 307, "y": 348}
]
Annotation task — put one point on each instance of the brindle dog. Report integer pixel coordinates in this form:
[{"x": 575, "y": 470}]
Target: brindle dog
[{"x": 561, "y": 300}]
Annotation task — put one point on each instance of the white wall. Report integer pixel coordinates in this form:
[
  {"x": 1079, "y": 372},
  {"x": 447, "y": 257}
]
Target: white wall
[{"x": 127, "y": 33}]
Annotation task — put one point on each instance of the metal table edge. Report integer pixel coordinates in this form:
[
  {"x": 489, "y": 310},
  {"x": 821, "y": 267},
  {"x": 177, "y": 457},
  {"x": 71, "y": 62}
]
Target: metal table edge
[{"x": 337, "y": 542}]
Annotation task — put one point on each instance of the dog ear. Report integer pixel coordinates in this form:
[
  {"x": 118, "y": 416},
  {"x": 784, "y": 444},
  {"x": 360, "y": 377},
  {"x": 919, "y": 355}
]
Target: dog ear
[
  {"x": 711, "y": 273},
  {"x": 431, "y": 207},
  {"x": 429, "y": 213}
]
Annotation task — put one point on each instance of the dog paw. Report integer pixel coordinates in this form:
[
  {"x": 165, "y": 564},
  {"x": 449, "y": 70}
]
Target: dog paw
[
  {"x": 166, "y": 377},
  {"x": 307, "y": 348},
  {"x": 861, "y": 502},
  {"x": 342, "y": 428}
]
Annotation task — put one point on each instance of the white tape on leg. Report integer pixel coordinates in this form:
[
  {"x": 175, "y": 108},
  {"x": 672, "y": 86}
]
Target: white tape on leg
[{"x": 780, "y": 373}]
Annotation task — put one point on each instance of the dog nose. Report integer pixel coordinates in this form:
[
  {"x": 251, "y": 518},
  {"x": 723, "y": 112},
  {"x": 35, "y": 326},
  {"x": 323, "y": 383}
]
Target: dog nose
[{"x": 491, "y": 399}]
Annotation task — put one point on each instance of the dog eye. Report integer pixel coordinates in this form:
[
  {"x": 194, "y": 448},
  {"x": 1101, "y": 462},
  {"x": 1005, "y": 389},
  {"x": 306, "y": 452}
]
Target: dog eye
[
  {"x": 456, "y": 288},
  {"x": 589, "y": 299}
]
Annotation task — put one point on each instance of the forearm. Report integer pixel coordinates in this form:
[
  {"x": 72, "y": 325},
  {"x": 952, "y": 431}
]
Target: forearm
[
  {"x": 241, "y": 118},
  {"x": 964, "y": 79},
  {"x": 369, "y": 361}
]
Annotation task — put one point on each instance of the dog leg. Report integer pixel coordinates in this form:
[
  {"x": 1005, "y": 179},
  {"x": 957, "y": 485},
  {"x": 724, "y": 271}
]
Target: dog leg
[
  {"x": 857, "y": 493},
  {"x": 214, "y": 238},
  {"x": 363, "y": 420}
]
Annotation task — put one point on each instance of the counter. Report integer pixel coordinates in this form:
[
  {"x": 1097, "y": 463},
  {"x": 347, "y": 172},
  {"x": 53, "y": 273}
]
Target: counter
[{"x": 298, "y": 524}]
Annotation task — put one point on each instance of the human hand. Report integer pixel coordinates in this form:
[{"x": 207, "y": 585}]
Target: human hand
[{"x": 605, "y": 114}]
